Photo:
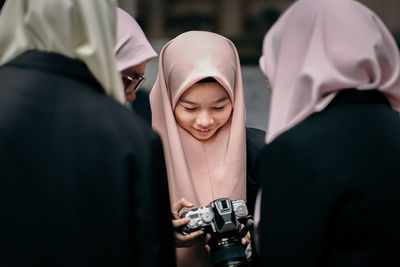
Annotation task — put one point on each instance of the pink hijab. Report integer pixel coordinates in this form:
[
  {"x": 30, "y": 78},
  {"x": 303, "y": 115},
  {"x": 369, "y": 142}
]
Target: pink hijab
[
  {"x": 318, "y": 47},
  {"x": 200, "y": 172},
  {"x": 132, "y": 46}
]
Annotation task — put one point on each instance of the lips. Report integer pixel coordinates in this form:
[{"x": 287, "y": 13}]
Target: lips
[{"x": 203, "y": 132}]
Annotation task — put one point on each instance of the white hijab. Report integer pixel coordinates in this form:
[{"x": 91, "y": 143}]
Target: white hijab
[
  {"x": 81, "y": 29},
  {"x": 318, "y": 47}
]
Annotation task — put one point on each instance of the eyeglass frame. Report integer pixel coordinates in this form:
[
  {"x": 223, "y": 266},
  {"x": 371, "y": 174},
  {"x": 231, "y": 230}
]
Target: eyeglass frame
[{"x": 131, "y": 79}]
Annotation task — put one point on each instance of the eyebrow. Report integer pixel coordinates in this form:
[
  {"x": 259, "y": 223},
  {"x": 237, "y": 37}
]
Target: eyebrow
[
  {"x": 222, "y": 99},
  {"x": 194, "y": 103},
  {"x": 187, "y": 101}
]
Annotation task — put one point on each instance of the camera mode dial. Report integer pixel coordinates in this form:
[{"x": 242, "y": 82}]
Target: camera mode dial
[{"x": 206, "y": 217}]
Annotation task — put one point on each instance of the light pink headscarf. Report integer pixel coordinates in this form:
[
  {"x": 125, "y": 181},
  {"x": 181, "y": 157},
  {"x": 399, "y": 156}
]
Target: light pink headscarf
[
  {"x": 198, "y": 171},
  {"x": 318, "y": 47},
  {"x": 132, "y": 46}
]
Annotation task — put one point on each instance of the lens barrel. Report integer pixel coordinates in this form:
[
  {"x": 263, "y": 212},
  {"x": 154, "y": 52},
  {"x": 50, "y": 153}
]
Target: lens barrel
[{"x": 227, "y": 251}]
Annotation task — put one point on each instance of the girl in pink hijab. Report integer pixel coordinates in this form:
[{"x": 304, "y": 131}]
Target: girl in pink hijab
[
  {"x": 330, "y": 192},
  {"x": 198, "y": 109},
  {"x": 133, "y": 51}
]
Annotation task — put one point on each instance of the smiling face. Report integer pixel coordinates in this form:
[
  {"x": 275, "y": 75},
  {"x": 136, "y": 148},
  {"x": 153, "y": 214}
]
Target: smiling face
[{"x": 203, "y": 109}]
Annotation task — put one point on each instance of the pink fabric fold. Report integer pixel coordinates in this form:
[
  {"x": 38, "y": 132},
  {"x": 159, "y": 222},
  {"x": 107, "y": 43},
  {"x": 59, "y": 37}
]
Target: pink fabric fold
[{"x": 318, "y": 47}]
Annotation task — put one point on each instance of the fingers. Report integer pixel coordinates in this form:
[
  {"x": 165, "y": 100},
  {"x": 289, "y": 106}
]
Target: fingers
[
  {"x": 187, "y": 240},
  {"x": 180, "y": 222},
  {"x": 176, "y": 216},
  {"x": 192, "y": 236},
  {"x": 246, "y": 239},
  {"x": 182, "y": 203},
  {"x": 207, "y": 238}
]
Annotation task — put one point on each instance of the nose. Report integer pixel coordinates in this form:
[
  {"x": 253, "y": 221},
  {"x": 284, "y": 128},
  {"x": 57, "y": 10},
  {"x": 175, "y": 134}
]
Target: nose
[{"x": 204, "y": 120}]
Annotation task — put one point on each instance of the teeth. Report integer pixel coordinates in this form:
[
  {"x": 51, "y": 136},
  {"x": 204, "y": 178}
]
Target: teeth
[{"x": 203, "y": 131}]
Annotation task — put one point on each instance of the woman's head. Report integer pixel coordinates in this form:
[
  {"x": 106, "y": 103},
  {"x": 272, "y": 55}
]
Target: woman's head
[
  {"x": 133, "y": 51},
  {"x": 195, "y": 55},
  {"x": 81, "y": 29},
  {"x": 203, "y": 109},
  {"x": 311, "y": 52},
  {"x": 133, "y": 78},
  {"x": 200, "y": 73},
  {"x": 198, "y": 109}
]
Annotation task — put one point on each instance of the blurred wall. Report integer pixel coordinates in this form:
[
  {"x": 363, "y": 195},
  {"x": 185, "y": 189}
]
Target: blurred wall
[{"x": 245, "y": 22}]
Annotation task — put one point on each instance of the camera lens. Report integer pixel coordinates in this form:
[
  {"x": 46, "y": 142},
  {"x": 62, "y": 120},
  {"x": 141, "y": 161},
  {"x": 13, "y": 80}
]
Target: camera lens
[{"x": 227, "y": 251}]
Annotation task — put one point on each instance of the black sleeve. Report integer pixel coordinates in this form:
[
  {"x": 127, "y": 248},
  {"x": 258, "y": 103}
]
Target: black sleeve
[
  {"x": 153, "y": 228},
  {"x": 294, "y": 209},
  {"x": 255, "y": 141}
]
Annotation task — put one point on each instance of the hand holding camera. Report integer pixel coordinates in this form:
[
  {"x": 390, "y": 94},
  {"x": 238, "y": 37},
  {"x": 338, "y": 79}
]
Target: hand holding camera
[
  {"x": 184, "y": 240},
  {"x": 227, "y": 222}
]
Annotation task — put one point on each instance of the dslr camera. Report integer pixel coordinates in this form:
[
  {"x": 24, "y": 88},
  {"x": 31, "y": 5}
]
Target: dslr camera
[{"x": 227, "y": 221}]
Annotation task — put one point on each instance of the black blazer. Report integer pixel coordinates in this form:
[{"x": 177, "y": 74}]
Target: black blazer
[
  {"x": 255, "y": 142},
  {"x": 331, "y": 187},
  {"x": 83, "y": 179}
]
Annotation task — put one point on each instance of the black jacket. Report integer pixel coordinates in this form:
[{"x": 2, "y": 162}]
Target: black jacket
[
  {"x": 330, "y": 187},
  {"x": 83, "y": 179},
  {"x": 255, "y": 142}
]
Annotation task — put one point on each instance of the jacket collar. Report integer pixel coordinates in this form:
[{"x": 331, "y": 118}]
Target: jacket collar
[{"x": 355, "y": 96}]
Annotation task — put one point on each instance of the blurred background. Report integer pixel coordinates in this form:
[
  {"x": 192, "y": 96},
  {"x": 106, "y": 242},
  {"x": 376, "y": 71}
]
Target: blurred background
[{"x": 245, "y": 22}]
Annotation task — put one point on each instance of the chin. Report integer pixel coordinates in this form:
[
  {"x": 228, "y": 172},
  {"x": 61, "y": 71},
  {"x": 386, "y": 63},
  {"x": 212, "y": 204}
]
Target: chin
[
  {"x": 202, "y": 138},
  {"x": 205, "y": 137}
]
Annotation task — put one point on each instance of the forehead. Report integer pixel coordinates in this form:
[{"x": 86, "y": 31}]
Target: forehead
[
  {"x": 135, "y": 70},
  {"x": 205, "y": 91}
]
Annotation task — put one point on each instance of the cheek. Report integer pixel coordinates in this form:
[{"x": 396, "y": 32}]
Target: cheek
[
  {"x": 224, "y": 116},
  {"x": 182, "y": 118}
]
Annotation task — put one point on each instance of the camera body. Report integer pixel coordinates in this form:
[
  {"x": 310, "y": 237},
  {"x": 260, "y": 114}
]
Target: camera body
[
  {"x": 227, "y": 221},
  {"x": 222, "y": 215}
]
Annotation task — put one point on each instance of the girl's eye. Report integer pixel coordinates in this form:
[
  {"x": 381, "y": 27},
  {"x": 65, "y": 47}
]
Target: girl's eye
[
  {"x": 219, "y": 108},
  {"x": 190, "y": 109}
]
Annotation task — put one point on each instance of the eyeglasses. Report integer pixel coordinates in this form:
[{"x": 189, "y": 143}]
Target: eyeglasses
[{"x": 131, "y": 82}]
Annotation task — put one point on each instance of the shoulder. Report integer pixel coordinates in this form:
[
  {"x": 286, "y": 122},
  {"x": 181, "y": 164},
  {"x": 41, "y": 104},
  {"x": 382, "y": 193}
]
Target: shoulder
[
  {"x": 134, "y": 125},
  {"x": 255, "y": 134},
  {"x": 255, "y": 140},
  {"x": 116, "y": 124}
]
